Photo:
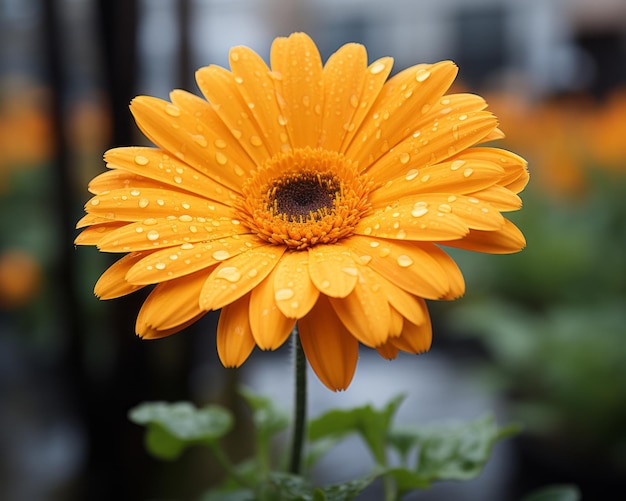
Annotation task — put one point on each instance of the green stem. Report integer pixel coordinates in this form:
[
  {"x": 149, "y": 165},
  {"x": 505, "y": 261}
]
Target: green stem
[
  {"x": 227, "y": 465},
  {"x": 389, "y": 486},
  {"x": 300, "y": 405}
]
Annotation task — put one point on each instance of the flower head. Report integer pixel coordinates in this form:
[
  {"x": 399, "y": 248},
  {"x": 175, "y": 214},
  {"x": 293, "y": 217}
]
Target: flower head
[{"x": 308, "y": 193}]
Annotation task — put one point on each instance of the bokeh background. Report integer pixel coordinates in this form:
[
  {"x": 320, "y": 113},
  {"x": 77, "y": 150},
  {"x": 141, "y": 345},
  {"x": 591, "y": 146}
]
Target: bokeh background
[{"x": 539, "y": 338}]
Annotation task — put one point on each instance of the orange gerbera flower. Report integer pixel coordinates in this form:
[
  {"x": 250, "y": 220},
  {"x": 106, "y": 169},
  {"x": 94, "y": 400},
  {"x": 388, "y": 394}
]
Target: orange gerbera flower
[{"x": 308, "y": 193}]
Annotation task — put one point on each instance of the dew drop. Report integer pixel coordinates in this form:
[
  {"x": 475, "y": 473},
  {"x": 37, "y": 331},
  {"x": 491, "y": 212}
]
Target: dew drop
[
  {"x": 282, "y": 120},
  {"x": 425, "y": 178},
  {"x": 220, "y": 255},
  {"x": 451, "y": 198},
  {"x": 152, "y": 235},
  {"x": 353, "y": 272},
  {"x": 95, "y": 201},
  {"x": 457, "y": 164},
  {"x": 404, "y": 158},
  {"x": 220, "y": 158},
  {"x": 160, "y": 266},
  {"x": 200, "y": 140},
  {"x": 229, "y": 273},
  {"x": 412, "y": 174},
  {"x": 422, "y": 75},
  {"x": 141, "y": 160},
  {"x": 445, "y": 208},
  {"x": 384, "y": 252},
  {"x": 354, "y": 101},
  {"x": 325, "y": 284},
  {"x": 468, "y": 172},
  {"x": 187, "y": 246},
  {"x": 139, "y": 229},
  {"x": 284, "y": 294},
  {"x": 374, "y": 244},
  {"x": 173, "y": 257},
  {"x": 171, "y": 110},
  {"x": 185, "y": 218},
  {"x": 365, "y": 259},
  {"x": 220, "y": 143},
  {"x": 376, "y": 68},
  {"x": 419, "y": 209},
  {"x": 462, "y": 117},
  {"x": 255, "y": 141},
  {"x": 143, "y": 203},
  {"x": 473, "y": 200},
  {"x": 150, "y": 221},
  {"x": 404, "y": 261},
  {"x": 401, "y": 235},
  {"x": 135, "y": 193}
]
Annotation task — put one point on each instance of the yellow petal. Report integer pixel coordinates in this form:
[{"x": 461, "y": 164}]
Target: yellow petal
[
  {"x": 138, "y": 204},
  {"x": 332, "y": 269},
  {"x": 433, "y": 143},
  {"x": 344, "y": 74},
  {"x": 270, "y": 327},
  {"x": 388, "y": 350},
  {"x": 91, "y": 219},
  {"x": 222, "y": 89},
  {"x": 375, "y": 79},
  {"x": 154, "y": 233},
  {"x": 114, "y": 179},
  {"x": 406, "y": 264},
  {"x": 238, "y": 276},
  {"x": 196, "y": 136},
  {"x": 297, "y": 65},
  {"x": 406, "y": 95},
  {"x": 330, "y": 349},
  {"x": 93, "y": 234},
  {"x": 515, "y": 167},
  {"x": 505, "y": 240},
  {"x": 175, "y": 262},
  {"x": 165, "y": 170},
  {"x": 234, "y": 336},
  {"x": 172, "y": 304},
  {"x": 455, "y": 176},
  {"x": 395, "y": 324},
  {"x": 148, "y": 332},
  {"x": 413, "y": 220},
  {"x": 365, "y": 311},
  {"x": 498, "y": 197},
  {"x": 415, "y": 338},
  {"x": 112, "y": 283},
  {"x": 294, "y": 291},
  {"x": 405, "y": 304},
  {"x": 255, "y": 82}
]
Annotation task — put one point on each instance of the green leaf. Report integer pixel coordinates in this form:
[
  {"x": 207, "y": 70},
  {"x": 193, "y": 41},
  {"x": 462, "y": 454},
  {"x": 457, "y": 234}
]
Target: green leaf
[
  {"x": 373, "y": 425},
  {"x": 267, "y": 417},
  {"x": 347, "y": 490},
  {"x": 291, "y": 487},
  {"x": 235, "y": 495},
  {"x": 555, "y": 493},
  {"x": 446, "y": 452},
  {"x": 171, "y": 427}
]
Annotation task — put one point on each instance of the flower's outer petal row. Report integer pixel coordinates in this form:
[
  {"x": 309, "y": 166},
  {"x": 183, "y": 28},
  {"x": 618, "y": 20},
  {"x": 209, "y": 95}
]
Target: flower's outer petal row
[
  {"x": 413, "y": 221},
  {"x": 148, "y": 332},
  {"x": 171, "y": 304},
  {"x": 408, "y": 265},
  {"x": 239, "y": 275},
  {"x": 374, "y": 81},
  {"x": 166, "y": 170},
  {"x": 175, "y": 262},
  {"x": 159, "y": 233},
  {"x": 198, "y": 138},
  {"x": 255, "y": 83},
  {"x": 234, "y": 338},
  {"x": 330, "y": 349},
  {"x": 297, "y": 64},
  {"x": 135, "y": 204},
  {"x": 365, "y": 311},
  {"x": 220, "y": 87},
  {"x": 395, "y": 323},
  {"x": 500, "y": 198},
  {"x": 270, "y": 327},
  {"x": 388, "y": 350},
  {"x": 415, "y": 338},
  {"x": 112, "y": 283},
  {"x": 114, "y": 179},
  {"x": 402, "y": 302},
  {"x": 515, "y": 167},
  {"x": 506, "y": 240},
  {"x": 455, "y": 177},
  {"x": 344, "y": 74},
  {"x": 433, "y": 144},
  {"x": 332, "y": 269},
  {"x": 409, "y": 93},
  {"x": 93, "y": 219},
  {"x": 294, "y": 291},
  {"x": 96, "y": 232}
]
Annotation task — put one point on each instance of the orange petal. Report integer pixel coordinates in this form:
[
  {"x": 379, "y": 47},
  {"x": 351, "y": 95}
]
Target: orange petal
[
  {"x": 255, "y": 82},
  {"x": 413, "y": 220},
  {"x": 171, "y": 304},
  {"x": 93, "y": 234},
  {"x": 415, "y": 338},
  {"x": 330, "y": 349},
  {"x": 238, "y": 276},
  {"x": 458, "y": 177},
  {"x": 388, "y": 350},
  {"x": 500, "y": 198},
  {"x": 332, "y": 269},
  {"x": 395, "y": 324},
  {"x": 365, "y": 311},
  {"x": 433, "y": 143},
  {"x": 148, "y": 332},
  {"x": 269, "y": 326},
  {"x": 166, "y": 169},
  {"x": 294, "y": 291},
  {"x": 506, "y": 240},
  {"x": 175, "y": 262},
  {"x": 222, "y": 89},
  {"x": 515, "y": 167},
  {"x": 153, "y": 233},
  {"x": 404, "y": 96},
  {"x": 405, "y": 264},
  {"x": 344, "y": 74},
  {"x": 402, "y": 303},
  {"x": 114, "y": 179},
  {"x": 297, "y": 65},
  {"x": 196, "y": 136},
  {"x": 234, "y": 336},
  {"x": 112, "y": 283}
]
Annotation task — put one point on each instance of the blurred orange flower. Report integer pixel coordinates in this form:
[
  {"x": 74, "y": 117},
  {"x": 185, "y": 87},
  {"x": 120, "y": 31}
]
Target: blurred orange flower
[{"x": 308, "y": 193}]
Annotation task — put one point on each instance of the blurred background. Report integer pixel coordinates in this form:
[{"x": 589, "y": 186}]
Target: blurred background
[{"x": 538, "y": 338}]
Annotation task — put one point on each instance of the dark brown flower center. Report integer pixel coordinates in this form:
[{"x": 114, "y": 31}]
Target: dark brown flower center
[{"x": 303, "y": 196}]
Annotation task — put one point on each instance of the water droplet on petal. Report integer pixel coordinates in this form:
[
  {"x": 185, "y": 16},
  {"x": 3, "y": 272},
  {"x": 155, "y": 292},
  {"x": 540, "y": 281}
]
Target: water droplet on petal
[
  {"x": 171, "y": 110},
  {"x": 284, "y": 294},
  {"x": 135, "y": 193},
  {"x": 141, "y": 160},
  {"x": 445, "y": 208},
  {"x": 457, "y": 164},
  {"x": 350, "y": 271},
  {"x": 404, "y": 261},
  {"x": 160, "y": 266},
  {"x": 255, "y": 141},
  {"x": 404, "y": 158},
  {"x": 229, "y": 273},
  {"x": 412, "y": 174},
  {"x": 152, "y": 235},
  {"x": 143, "y": 203},
  {"x": 376, "y": 68},
  {"x": 422, "y": 75},
  {"x": 220, "y": 255},
  {"x": 220, "y": 143},
  {"x": 468, "y": 172},
  {"x": 419, "y": 209},
  {"x": 220, "y": 158},
  {"x": 95, "y": 201}
]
